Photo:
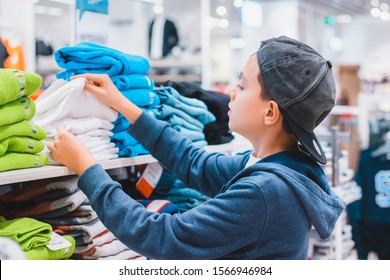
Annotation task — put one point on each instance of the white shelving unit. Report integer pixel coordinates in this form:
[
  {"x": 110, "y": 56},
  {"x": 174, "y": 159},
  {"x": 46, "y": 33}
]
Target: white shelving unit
[
  {"x": 192, "y": 69},
  {"x": 51, "y": 171}
]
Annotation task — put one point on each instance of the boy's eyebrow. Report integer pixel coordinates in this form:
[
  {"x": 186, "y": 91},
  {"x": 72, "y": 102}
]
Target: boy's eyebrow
[{"x": 242, "y": 77}]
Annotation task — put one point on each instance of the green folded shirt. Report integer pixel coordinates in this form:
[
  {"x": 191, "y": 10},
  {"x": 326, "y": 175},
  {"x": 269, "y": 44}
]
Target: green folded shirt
[
  {"x": 11, "y": 161},
  {"x": 16, "y": 83},
  {"x": 18, "y": 110},
  {"x": 22, "y": 128},
  {"x": 27, "y": 232},
  {"x": 20, "y": 145},
  {"x": 44, "y": 253}
]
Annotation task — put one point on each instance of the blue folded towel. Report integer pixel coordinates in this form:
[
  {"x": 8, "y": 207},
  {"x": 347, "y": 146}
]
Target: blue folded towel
[
  {"x": 194, "y": 107},
  {"x": 142, "y": 97},
  {"x": 86, "y": 57},
  {"x": 128, "y": 146},
  {"x": 124, "y": 82}
]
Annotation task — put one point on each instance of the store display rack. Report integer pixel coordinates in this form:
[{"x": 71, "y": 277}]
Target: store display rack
[{"x": 51, "y": 171}]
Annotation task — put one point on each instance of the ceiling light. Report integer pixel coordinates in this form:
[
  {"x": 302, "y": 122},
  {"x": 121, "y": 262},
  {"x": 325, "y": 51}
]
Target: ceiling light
[
  {"x": 385, "y": 15},
  {"x": 224, "y": 23},
  {"x": 384, "y": 6},
  {"x": 343, "y": 18},
  {"x": 375, "y": 3},
  {"x": 375, "y": 12},
  {"x": 221, "y": 10},
  {"x": 158, "y": 9},
  {"x": 238, "y": 3}
]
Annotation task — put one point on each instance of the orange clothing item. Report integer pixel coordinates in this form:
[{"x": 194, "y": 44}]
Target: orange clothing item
[
  {"x": 15, "y": 59},
  {"x": 35, "y": 95}
]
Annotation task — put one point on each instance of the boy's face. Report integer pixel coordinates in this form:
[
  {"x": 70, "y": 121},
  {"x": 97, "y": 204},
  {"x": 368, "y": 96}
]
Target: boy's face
[{"x": 246, "y": 105}]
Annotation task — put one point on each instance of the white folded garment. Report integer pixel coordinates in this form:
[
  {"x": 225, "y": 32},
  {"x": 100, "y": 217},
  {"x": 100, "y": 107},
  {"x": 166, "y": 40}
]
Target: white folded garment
[
  {"x": 105, "y": 156},
  {"x": 80, "y": 126},
  {"x": 99, "y": 132},
  {"x": 93, "y": 141},
  {"x": 101, "y": 148},
  {"x": 64, "y": 100}
]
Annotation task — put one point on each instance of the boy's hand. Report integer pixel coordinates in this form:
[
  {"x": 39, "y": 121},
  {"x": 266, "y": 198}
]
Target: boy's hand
[
  {"x": 101, "y": 86},
  {"x": 69, "y": 151}
]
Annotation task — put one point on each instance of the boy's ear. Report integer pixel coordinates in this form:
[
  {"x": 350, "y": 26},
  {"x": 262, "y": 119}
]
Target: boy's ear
[{"x": 273, "y": 114}]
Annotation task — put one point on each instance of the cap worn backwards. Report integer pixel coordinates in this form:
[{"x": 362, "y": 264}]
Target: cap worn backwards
[{"x": 302, "y": 83}]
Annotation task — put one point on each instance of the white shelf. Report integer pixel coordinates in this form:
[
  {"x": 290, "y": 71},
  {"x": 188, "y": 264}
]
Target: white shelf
[{"x": 50, "y": 171}]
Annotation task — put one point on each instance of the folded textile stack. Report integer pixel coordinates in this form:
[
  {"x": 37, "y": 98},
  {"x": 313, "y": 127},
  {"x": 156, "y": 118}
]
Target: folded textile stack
[
  {"x": 61, "y": 204},
  {"x": 127, "y": 72},
  {"x": 34, "y": 238},
  {"x": 170, "y": 188},
  {"x": 66, "y": 103},
  {"x": 186, "y": 115},
  {"x": 43, "y": 199},
  {"x": 20, "y": 139},
  {"x": 216, "y": 132}
]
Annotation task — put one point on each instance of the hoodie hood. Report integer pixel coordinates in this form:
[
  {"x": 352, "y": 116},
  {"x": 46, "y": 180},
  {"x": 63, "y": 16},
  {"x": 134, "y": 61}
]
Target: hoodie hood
[{"x": 309, "y": 184}]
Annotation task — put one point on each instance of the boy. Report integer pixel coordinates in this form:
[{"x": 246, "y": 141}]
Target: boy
[{"x": 263, "y": 204}]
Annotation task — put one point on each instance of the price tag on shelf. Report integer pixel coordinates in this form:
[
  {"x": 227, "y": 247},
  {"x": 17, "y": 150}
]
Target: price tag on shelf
[{"x": 149, "y": 179}]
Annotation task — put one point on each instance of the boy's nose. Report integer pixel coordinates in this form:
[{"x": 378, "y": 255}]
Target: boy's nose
[{"x": 231, "y": 93}]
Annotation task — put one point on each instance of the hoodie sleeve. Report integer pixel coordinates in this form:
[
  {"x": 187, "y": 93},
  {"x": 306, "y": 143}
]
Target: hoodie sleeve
[
  {"x": 208, "y": 231},
  {"x": 197, "y": 168}
]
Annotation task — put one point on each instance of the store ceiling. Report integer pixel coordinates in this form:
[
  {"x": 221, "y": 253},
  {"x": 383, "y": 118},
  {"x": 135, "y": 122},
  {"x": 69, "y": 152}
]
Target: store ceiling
[{"x": 351, "y": 7}]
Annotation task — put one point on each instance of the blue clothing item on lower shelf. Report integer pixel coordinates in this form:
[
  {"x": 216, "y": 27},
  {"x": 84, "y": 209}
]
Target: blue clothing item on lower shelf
[
  {"x": 160, "y": 205},
  {"x": 128, "y": 146},
  {"x": 169, "y": 187},
  {"x": 132, "y": 151},
  {"x": 193, "y": 107},
  {"x": 265, "y": 211}
]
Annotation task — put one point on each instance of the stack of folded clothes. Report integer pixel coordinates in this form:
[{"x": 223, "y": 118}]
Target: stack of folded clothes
[
  {"x": 20, "y": 139},
  {"x": 67, "y": 104},
  {"x": 127, "y": 72}
]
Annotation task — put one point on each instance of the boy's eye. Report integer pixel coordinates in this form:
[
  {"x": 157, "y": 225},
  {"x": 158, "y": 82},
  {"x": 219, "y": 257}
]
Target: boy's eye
[{"x": 239, "y": 87}]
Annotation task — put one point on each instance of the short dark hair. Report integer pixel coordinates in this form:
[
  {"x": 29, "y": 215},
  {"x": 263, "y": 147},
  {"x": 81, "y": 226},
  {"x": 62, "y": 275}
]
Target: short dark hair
[{"x": 265, "y": 95}]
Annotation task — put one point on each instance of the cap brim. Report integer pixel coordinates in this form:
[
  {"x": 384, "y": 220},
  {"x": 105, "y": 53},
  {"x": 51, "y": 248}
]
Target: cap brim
[{"x": 308, "y": 140}]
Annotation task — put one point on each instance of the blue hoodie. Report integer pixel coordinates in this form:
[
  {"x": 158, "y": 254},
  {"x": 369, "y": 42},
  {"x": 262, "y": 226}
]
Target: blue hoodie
[{"x": 265, "y": 211}]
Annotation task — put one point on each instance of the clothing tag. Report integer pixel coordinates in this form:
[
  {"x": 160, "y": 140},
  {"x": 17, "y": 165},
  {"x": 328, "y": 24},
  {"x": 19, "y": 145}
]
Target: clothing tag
[
  {"x": 57, "y": 242},
  {"x": 149, "y": 179}
]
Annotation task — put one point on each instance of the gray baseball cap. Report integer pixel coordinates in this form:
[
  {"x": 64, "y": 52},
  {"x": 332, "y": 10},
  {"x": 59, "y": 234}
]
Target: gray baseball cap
[{"x": 302, "y": 83}]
